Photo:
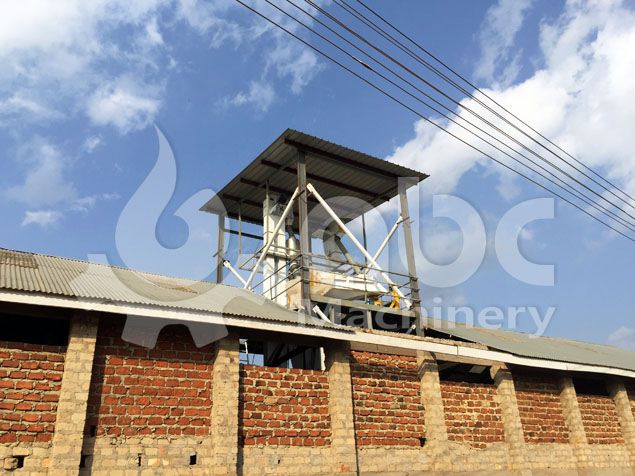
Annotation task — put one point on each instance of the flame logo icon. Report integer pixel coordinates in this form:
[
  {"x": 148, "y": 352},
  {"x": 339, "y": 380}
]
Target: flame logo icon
[
  {"x": 136, "y": 234},
  {"x": 139, "y": 247}
]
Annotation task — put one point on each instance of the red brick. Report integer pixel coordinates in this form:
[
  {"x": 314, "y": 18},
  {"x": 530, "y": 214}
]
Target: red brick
[
  {"x": 272, "y": 412},
  {"x": 471, "y": 413},
  {"x": 540, "y": 408},
  {"x": 138, "y": 385},
  {"x": 18, "y": 405},
  {"x": 600, "y": 419},
  {"x": 386, "y": 400}
]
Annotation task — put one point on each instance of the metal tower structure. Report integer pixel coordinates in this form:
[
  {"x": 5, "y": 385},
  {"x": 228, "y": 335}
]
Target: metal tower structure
[{"x": 302, "y": 190}]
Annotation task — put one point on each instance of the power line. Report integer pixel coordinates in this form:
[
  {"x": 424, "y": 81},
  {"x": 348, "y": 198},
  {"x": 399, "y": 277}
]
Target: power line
[
  {"x": 393, "y": 40},
  {"x": 393, "y": 98},
  {"x": 317, "y": 7},
  {"x": 569, "y": 189},
  {"x": 471, "y": 111}
]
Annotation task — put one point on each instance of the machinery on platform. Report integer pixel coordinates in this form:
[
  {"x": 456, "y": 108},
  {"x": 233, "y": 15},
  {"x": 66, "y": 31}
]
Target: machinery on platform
[{"x": 303, "y": 191}]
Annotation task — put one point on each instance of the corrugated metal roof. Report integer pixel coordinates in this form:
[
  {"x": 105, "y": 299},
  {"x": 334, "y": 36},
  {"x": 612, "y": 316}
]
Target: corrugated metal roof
[
  {"x": 543, "y": 347},
  {"x": 31, "y": 272},
  {"x": 334, "y": 170},
  {"x": 74, "y": 278}
]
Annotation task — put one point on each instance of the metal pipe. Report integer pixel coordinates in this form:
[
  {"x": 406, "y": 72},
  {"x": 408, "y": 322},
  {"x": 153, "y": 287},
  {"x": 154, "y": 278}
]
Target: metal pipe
[
  {"x": 409, "y": 249},
  {"x": 346, "y": 253},
  {"x": 319, "y": 312},
  {"x": 356, "y": 242},
  {"x": 229, "y": 266},
  {"x": 276, "y": 229},
  {"x": 243, "y": 234},
  {"x": 273, "y": 273},
  {"x": 240, "y": 229},
  {"x": 386, "y": 240}
]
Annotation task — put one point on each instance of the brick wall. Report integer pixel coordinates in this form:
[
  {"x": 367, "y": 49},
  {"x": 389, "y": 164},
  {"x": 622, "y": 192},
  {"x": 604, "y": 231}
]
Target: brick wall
[
  {"x": 283, "y": 407},
  {"x": 137, "y": 391},
  {"x": 472, "y": 414},
  {"x": 540, "y": 408},
  {"x": 600, "y": 419},
  {"x": 387, "y": 404},
  {"x": 30, "y": 382}
]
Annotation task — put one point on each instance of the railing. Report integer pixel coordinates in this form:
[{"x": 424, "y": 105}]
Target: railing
[{"x": 375, "y": 288}]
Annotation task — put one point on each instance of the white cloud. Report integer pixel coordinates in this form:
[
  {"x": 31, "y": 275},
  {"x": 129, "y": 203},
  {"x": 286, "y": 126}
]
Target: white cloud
[
  {"x": 43, "y": 218},
  {"x": 18, "y": 105},
  {"x": 498, "y": 31},
  {"x": 45, "y": 182},
  {"x": 290, "y": 60},
  {"x": 260, "y": 95},
  {"x": 284, "y": 57},
  {"x": 91, "y": 144},
  {"x": 152, "y": 35},
  {"x": 74, "y": 54},
  {"x": 207, "y": 19},
  {"x": 287, "y": 59},
  {"x": 441, "y": 156},
  {"x": 123, "y": 104},
  {"x": 623, "y": 337},
  {"x": 84, "y": 204},
  {"x": 581, "y": 99},
  {"x": 62, "y": 50},
  {"x": 507, "y": 187}
]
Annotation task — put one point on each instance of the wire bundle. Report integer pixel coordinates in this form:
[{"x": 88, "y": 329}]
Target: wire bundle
[{"x": 368, "y": 46}]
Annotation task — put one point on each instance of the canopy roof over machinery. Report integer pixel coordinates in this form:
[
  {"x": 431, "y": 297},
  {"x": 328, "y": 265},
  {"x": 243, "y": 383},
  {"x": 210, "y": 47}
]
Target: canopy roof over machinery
[{"x": 336, "y": 171}]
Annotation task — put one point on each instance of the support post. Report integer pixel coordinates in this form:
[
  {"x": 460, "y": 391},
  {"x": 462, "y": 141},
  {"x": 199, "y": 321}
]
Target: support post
[
  {"x": 403, "y": 185},
  {"x": 618, "y": 391},
  {"x": 512, "y": 425},
  {"x": 573, "y": 417},
  {"x": 303, "y": 215},
  {"x": 225, "y": 395},
  {"x": 220, "y": 248},
  {"x": 436, "y": 428},
  {"x": 343, "y": 443},
  {"x": 66, "y": 450}
]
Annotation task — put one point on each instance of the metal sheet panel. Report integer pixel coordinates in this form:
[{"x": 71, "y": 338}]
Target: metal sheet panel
[
  {"x": 551, "y": 348},
  {"x": 336, "y": 171},
  {"x": 74, "y": 278}
]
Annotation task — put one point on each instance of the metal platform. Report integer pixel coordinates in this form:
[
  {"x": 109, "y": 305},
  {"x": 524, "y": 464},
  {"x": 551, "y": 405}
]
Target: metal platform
[{"x": 302, "y": 187}]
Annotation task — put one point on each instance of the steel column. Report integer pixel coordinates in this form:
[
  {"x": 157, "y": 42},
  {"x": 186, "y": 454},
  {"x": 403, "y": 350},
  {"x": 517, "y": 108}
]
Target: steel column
[
  {"x": 305, "y": 245},
  {"x": 404, "y": 184},
  {"x": 220, "y": 249}
]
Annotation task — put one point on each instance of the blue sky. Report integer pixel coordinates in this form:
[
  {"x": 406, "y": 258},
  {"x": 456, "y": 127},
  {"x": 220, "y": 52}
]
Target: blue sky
[{"x": 82, "y": 86}]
